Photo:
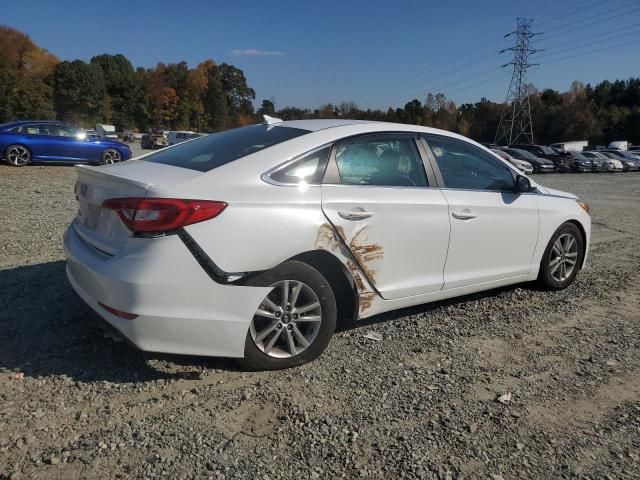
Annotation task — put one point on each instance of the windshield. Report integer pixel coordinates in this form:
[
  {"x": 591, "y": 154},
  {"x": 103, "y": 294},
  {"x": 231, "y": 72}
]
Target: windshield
[
  {"x": 579, "y": 156},
  {"x": 206, "y": 153},
  {"x": 548, "y": 151}
]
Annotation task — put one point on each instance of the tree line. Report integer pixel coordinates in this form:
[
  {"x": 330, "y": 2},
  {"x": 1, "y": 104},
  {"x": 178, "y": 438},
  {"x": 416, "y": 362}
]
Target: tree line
[{"x": 213, "y": 97}]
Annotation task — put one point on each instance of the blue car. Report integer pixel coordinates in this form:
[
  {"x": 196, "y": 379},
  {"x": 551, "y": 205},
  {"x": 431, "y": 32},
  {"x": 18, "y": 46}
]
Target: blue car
[{"x": 25, "y": 142}]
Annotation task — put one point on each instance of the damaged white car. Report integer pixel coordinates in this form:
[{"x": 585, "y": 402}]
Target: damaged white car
[{"x": 253, "y": 243}]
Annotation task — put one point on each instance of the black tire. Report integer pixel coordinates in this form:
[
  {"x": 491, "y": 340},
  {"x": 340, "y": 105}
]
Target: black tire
[
  {"x": 296, "y": 271},
  {"x": 549, "y": 277},
  {"x": 17, "y": 155}
]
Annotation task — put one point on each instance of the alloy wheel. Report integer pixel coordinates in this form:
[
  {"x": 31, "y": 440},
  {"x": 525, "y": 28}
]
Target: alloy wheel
[
  {"x": 111, "y": 156},
  {"x": 287, "y": 321},
  {"x": 563, "y": 258},
  {"x": 18, "y": 155}
]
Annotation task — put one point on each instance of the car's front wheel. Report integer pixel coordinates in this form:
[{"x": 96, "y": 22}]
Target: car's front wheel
[
  {"x": 17, "y": 155},
  {"x": 294, "y": 322},
  {"x": 562, "y": 258},
  {"x": 110, "y": 156}
]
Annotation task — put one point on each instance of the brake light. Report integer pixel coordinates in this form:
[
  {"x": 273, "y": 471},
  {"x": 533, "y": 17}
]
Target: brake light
[{"x": 162, "y": 214}]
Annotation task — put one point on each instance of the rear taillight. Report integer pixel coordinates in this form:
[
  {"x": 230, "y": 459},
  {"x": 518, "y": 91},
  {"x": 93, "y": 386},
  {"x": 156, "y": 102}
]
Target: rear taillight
[{"x": 162, "y": 214}]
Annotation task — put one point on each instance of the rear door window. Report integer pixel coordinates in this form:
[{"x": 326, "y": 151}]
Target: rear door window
[
  {"x": 215, "y": 150},
  {"x": 384, "y": 160}
]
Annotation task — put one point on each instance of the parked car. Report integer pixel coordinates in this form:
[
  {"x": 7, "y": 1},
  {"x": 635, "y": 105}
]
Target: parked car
[
  {"x": 562, "y": 161},
  {"x": 106, "y": 131},
  {"x": 598, "y": 159},
  {"x": 128, "y": 136},
  {"x": 25, "y": 142},
  {"x": 181, "y": 136},
  {"x": 630, "y": 163},
  {"x": 524, "y": 167},
  {"x": 153, "y": 141},
  {"x": 175, "y": 266},
  {"x": 492, "y": 146},
  {"x": 540, "y": 165},
  {"x": 580, "y": 163}
]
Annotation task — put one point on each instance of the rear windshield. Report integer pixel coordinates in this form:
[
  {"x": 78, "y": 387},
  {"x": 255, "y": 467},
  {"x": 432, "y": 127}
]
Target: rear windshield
[{"x": 215, "y": 150}]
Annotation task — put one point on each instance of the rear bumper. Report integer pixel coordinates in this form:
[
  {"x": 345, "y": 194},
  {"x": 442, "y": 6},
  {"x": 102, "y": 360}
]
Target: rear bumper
[{"x": 180, "y": 309}]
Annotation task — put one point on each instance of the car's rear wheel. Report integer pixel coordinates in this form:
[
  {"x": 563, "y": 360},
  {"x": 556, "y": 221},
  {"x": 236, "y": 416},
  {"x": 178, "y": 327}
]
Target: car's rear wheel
[
  {"x": 110, "y": 156},
  {"x": 294, "y": 322},
  {"x": 562, "y": 258},
  {"x": 17, "y": 155}
]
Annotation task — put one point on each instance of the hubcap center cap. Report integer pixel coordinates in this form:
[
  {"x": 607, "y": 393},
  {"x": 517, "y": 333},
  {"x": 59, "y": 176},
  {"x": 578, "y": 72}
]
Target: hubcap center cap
[{"x": 286, "y": 318}]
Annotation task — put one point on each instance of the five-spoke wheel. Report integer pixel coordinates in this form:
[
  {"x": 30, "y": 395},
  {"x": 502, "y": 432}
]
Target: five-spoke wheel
[
  {"x": 110, "y": 156},
  {"x": 288, "y": 320},
  {"x": 17, "y": 155},
  {"x": 564, "y": 255},
  {"x": 562, "y": 258},
  {"x": 294, "y": 321}
]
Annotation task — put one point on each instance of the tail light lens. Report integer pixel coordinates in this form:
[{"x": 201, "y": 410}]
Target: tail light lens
[{"x": 162, "y": 214}]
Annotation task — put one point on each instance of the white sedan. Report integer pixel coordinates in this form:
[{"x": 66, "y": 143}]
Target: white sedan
[{"x": 253, "y": 243}]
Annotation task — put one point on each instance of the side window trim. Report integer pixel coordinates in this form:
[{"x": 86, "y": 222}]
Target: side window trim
[
  {"x": 332, "y": 173},
  {"x": 442, "y": 184}
]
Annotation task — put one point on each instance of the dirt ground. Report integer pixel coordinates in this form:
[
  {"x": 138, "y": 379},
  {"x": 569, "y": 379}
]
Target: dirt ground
[{"x": 421, "y": 403}]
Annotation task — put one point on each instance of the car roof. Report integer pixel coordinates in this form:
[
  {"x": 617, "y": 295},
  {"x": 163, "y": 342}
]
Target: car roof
[
  {"x": 320, "y": 124},
  {"x": 338, "y": 128}
]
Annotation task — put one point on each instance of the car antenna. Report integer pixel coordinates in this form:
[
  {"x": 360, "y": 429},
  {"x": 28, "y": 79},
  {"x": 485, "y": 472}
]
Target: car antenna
[{"x": 270, "y": 120}]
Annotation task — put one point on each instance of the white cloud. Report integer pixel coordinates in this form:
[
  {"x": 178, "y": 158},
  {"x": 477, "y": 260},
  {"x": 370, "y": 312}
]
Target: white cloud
[{"x": 253, "y": 52}]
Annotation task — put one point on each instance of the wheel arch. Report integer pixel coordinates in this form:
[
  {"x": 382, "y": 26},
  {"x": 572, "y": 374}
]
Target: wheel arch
[
  {"x": 340, "y": 279},
  {"x": 583, "y": 232}
]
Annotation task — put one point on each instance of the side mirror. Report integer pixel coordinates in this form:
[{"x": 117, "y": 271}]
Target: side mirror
[{"x": 523, "y": 184}]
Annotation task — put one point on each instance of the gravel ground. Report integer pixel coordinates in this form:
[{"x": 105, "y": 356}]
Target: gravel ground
[{"x": 419, "y": 404}]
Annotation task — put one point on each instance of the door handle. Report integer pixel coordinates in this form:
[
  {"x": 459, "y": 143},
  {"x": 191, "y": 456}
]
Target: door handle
[
  {"x": 355, "y": 214},
  {"x": 464, "y": 215}
]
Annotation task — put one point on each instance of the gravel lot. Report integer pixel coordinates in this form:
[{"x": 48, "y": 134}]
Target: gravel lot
[{"x": 419, "y": 404}]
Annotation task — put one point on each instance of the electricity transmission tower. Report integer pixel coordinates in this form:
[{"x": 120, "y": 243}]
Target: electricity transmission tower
[{"x": 515, "y": 122}]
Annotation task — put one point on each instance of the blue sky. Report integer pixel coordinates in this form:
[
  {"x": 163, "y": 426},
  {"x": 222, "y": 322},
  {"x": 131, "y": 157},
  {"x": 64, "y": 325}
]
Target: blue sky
[{"x": 374, "y": 53}]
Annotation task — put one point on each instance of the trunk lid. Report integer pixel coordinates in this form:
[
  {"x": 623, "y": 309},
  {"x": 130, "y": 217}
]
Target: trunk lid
[{"x": 100, "y": 227}]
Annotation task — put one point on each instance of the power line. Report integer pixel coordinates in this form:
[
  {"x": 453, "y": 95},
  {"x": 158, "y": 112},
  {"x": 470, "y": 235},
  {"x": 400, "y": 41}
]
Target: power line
[
  {"x": 598, "y": 18},
  {"x": 474, "y": 84},
  {"x": 556, "y": 60},
  {"x": 561, "y": 16},
  {"x": 587, "y": 45},
  {"x": 617, "y": 30},
  {"x": 411, "y": 81},
  {"x": 415, "y": 82},
  {"x": 423, "y": 86}
]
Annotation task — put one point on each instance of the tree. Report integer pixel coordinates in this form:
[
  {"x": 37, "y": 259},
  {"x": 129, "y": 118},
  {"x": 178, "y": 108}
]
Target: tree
[
  {"x": 79, "y": 92},
  {"x": 238, "y": 94},
  {"x": 122, "y": 88},
  {"x": 215, "y": 100},
  {"x": 6, "y": 86},
  {"x": 28, "y": 69},
  {"x": 267, "y": 108}
]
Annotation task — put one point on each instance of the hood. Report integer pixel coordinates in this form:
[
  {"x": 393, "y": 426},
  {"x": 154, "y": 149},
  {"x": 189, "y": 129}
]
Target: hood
[{"x": 556, "y": 193}]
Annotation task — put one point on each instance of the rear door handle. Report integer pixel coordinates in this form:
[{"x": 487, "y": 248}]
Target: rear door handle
[
  {"x": 464, "y": 215},
  {"x": 355, "y": 214}
]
